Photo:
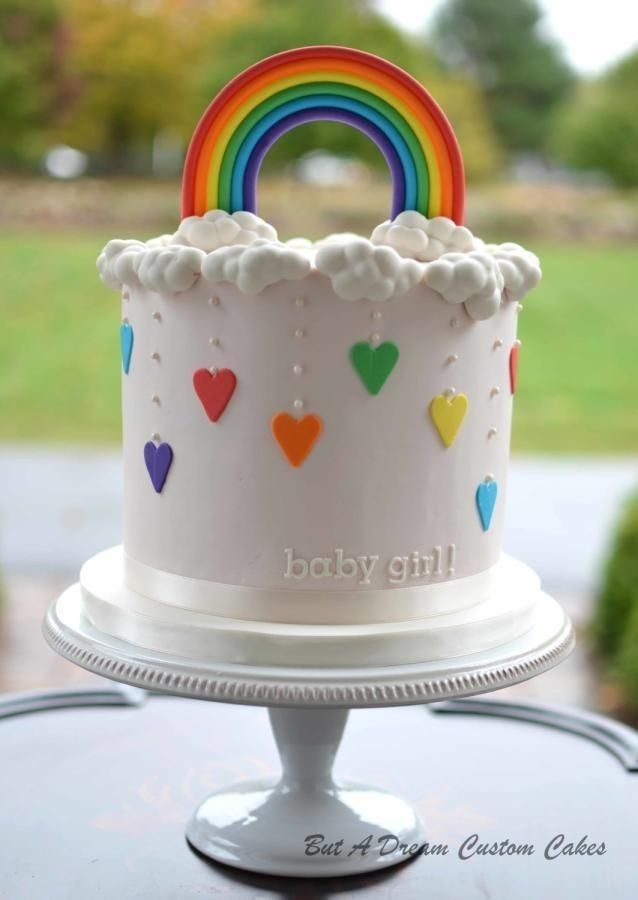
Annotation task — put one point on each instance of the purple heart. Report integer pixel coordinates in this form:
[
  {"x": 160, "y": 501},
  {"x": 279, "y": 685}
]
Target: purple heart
[{"x": 158, "y": 461}]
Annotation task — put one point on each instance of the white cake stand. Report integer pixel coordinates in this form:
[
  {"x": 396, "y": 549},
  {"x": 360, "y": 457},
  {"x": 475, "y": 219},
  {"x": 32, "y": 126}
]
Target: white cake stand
[{"x": 265, "y": 826}]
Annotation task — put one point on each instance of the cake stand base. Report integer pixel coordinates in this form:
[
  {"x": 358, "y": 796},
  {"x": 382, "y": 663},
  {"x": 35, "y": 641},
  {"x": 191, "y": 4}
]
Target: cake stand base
[{"x": 306, "y": 823}]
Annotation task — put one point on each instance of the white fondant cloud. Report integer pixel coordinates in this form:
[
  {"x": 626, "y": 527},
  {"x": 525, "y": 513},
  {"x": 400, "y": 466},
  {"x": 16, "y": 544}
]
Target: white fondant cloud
[
  {"x": 471, "y": 278},
  {"x": 244, "y": 250},
  {"x": 221, "y": 229},
  {"x": 412, "y": 235},
  {"x": 109, "y": 260},
  {"x": 359, "y": 270},
  {"x": 256, "y": 266},
  {"x": 160, "y": 267},
  {"x": 172, "y": 269},
  {"x": 520, "y": 268}
]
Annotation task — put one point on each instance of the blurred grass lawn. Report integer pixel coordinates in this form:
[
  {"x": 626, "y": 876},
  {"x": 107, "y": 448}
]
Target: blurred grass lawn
[{"x": 60, "y": 358}]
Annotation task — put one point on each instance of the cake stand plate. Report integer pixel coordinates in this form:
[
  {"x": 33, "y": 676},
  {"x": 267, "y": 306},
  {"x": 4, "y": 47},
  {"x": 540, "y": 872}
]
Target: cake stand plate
[{"x": 306, "y": 823}]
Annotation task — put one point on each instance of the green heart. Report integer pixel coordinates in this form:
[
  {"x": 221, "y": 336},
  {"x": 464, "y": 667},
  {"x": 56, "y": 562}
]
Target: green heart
[{"x": 373, "y": 365}]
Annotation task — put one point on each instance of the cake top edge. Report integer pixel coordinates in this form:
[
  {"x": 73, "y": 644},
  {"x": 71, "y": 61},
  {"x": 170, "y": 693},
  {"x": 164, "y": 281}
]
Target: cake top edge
[{"x": 244, "y": 250}]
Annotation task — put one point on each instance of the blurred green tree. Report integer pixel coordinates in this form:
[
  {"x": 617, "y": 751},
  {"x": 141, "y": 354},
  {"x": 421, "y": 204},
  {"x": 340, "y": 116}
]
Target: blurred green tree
[
  {"x": 133, "y": 66},
  {"x": 599, "y": 129},
  {"x": 28, "y": 60},
  {"x": 520, "y": 71}
]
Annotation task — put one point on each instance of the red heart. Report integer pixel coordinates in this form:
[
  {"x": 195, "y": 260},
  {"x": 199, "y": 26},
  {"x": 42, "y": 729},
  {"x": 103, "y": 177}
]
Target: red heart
[
  {"x": 514, "y": 366},
  {"x": 214, "y": 389}
]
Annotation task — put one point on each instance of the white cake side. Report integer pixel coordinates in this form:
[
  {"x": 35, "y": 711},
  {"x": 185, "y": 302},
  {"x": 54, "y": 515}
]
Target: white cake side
[{"x": 394, "y": 493}]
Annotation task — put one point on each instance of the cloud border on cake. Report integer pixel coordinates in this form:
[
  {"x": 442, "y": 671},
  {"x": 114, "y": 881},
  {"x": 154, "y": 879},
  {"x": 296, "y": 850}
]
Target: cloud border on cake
[{"x": 244, "y": 250}]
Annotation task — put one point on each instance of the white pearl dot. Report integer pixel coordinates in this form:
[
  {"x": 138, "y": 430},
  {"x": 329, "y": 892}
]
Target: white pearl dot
[
  {"x": 157, "y": 316},
  {"x": 495, "y": 391},
  {"x": 492, "y": 432},
  {"x": 155, "y": 437},
  {"x": 450, "y": 392},
  {"x": 155, "y": 399},
  {"x": 298, "y": 404},
  {"x": 214, "y": 342},
  {"x": 375, "y": 338},
  {"x": 452, "y": 358},
  {"x": 213, "y": 301},
  {"x": 489, "y": 477},
  {"x": 498, "y": 343},
  {"x": 299, "y": 332},
  {"x": 297, "y": 369},
  {"x": 213, "y": 370},
  {"x": 517, "y": 343},
  {"x": 155, "y": 355},
  {"x": 300, "y": 301},
  {"x": 124, "y": 321},
  {"x": 376, "y": 314},
  {"x": 519, "y": 307}
]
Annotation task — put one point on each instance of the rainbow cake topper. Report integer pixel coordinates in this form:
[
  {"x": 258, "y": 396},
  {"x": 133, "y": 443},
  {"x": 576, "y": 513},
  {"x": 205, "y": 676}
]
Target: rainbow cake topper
[{"x": 330, "y": 84}]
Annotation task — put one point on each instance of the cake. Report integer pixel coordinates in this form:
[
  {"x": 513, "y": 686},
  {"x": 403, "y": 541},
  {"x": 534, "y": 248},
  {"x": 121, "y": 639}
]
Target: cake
[{"x": 316, "y": 435}]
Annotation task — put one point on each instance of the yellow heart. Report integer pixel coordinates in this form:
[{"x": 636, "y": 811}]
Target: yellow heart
[{"x": 448, "y": 413}]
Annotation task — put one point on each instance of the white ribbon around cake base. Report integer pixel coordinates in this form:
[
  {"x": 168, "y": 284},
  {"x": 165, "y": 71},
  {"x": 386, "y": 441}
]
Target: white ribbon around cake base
[
  {"x": 113, "y": 608},
  {"x": 305, "y": 607}
]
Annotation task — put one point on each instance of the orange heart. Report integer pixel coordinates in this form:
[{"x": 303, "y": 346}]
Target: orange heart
[{"x": 296, "y": 437}]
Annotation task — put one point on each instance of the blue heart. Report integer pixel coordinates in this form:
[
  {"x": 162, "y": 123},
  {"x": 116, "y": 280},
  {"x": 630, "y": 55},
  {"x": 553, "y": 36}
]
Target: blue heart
[
  {"x": 485, "y": 501},
  {"x": 126, "y": 345},
  {"x": 158, "y": 461}
]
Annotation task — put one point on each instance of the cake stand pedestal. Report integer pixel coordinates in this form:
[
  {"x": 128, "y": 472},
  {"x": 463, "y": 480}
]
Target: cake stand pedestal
[{"x": 273, "y": 826}]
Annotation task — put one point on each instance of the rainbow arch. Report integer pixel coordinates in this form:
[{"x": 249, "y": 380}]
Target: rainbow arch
[{"x": 332, "y": 84}]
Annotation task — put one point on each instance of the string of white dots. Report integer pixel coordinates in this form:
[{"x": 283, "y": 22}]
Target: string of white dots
[
  {"x": 214, "y": 341},
  {"x": 155, "y": 397},
  {"x": 297, "y": 368}
]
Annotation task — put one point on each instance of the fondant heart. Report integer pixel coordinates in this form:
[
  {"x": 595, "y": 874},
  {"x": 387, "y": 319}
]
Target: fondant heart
[
  {"x": 514, "y": 366},
  {"x": 485, "y": 499},
  {"x": 296, "y": 437},
  {"x": 374, "y": 364},
  {"x": 158, "y": 459},
  {"x": 214, "y": 390},
  {"x": 126, "y": 345},
  {"x": 448, "y": 413}
]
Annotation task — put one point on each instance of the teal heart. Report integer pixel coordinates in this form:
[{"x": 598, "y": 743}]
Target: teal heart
[
  {"x": 485, "y": 500},
  {"x": 374, "y": 364},
  {"x": 126, "y": 345}
]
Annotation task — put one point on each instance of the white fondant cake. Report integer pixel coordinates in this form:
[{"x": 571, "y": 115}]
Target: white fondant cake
[{"x": 316, "y": 436}]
